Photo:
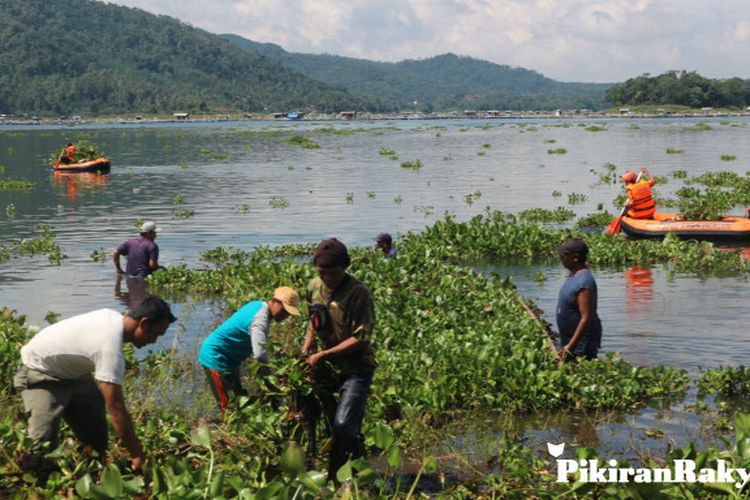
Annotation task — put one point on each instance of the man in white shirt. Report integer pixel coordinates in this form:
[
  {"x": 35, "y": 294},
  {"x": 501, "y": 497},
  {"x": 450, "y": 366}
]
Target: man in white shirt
[{"x": 74, "y": 370}]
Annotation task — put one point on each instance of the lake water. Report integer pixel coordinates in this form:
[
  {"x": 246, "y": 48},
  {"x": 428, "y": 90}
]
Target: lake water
[{"x": 247, "y": 186}]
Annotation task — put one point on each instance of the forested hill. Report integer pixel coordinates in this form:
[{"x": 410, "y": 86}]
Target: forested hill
[
  {"x": 82, "y": 56},
  {"x": 686, "y": 88},
  {"x": 442, "y": 82}
]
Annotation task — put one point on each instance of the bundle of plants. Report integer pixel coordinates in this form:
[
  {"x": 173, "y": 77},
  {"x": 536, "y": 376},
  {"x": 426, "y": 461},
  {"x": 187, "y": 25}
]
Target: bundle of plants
[{"x": 85, "y": 151}]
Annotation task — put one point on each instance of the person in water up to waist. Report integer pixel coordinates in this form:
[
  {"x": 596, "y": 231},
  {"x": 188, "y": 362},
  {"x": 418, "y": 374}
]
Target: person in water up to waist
[
  {"x": 244, "y": 333},
  {"x": 640, "y": 203},
  {"x": 577, "y": 320},
  {"x": 142, "y": 253}
]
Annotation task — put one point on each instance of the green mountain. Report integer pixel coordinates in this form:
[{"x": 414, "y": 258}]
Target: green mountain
[
  {"x": 442, "y": 82},
  {"x": 83, "y": 56}
]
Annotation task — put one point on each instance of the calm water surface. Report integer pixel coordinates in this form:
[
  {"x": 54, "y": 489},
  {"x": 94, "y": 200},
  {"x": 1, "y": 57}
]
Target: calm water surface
[{"x": 230, "y": 175}]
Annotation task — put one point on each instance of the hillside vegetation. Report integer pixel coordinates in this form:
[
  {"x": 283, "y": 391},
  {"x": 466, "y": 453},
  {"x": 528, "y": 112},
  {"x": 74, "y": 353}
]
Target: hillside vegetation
[
  {"x": 76, "y": 56},
  {"x": 442, "y": 82},
  {"x": 686, "y": 88}
]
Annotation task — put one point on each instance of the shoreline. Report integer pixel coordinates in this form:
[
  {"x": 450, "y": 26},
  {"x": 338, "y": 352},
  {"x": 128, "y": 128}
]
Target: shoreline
[{"x": 365, "y": 117}]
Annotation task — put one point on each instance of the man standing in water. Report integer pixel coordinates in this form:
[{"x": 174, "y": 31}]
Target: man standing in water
[
  {"x": 342, "y": 318},
  {"x": 142, "y": 253},
  {"x": 385, "y": 243},
  {"x": 74, "y": 369},
  {"x": 577, "y": 319}
]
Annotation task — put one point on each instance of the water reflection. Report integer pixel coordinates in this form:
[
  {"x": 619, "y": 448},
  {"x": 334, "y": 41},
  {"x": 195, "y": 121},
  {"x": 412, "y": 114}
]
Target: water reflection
[
  {"x": 134, "y": 293},
  {"x": 72, "y": 182},
  {"x": 639, "y": 291}
]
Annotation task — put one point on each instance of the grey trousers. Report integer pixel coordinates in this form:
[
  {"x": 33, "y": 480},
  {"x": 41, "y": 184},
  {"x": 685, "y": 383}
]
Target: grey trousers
[{"x": 48, "y": 399}]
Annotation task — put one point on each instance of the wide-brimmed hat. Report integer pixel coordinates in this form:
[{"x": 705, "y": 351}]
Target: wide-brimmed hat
[{"x": 289, "y": 298}]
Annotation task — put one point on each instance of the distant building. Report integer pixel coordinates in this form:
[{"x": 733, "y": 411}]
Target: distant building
[
  {"x": 493, "y": 113},
  {"x": 349, "y": 115},
  {"x": 295, "y": 116},
  {"x": 279, "y": 116},
  {"x": 181, "y": 116},
  {"x": 470, "y": 113},
  {"x": 624, "y": 111}
]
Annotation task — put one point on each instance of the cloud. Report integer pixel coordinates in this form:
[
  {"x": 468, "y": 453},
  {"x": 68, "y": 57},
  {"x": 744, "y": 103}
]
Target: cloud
[{"x": 570, "y": 40}]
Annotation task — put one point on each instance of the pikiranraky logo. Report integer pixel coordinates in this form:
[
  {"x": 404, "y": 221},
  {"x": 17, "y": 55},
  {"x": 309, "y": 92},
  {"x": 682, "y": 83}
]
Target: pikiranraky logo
[{"x": 683, "y": 471}]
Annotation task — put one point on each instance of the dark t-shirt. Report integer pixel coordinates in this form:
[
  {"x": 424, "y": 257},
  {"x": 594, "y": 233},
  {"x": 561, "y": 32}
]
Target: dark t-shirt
[
  {"x": 139, "y": 251},
  {"x": 352, "y": 315},
  {"x": 568, "y": 314}
]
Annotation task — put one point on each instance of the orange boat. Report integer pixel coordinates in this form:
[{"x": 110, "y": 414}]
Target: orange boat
[
  {"x": 727, "y": 229},
  {"x": 97, "y": 165}
]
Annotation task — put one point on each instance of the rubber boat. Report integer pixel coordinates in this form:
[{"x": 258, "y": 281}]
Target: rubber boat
[
  {"x": 727, "y": 229},
  {"x": 97, "y": 165}
]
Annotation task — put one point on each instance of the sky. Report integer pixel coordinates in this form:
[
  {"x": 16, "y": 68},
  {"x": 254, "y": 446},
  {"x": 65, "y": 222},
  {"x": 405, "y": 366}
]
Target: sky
[{"x": 568, "y": 40}]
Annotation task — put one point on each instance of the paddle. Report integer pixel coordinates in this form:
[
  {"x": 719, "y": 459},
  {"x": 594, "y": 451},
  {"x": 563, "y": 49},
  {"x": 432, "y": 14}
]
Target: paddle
[{"x": 616, "y": 225}]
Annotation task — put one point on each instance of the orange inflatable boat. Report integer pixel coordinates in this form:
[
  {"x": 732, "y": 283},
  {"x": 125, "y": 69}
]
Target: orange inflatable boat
[
  {"x": 727, "y": 229},
  {"x": 97, "y": 165}
]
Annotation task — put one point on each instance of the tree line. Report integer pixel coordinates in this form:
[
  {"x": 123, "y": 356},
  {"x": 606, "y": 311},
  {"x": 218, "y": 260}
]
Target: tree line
[{"x": 686, "y": 88}]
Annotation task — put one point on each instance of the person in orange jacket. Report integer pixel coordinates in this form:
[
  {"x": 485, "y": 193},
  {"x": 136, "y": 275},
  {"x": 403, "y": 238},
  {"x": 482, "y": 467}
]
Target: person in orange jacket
[
  {"x": 69, "y": 155},
  {"x": 640, "y": 203}
]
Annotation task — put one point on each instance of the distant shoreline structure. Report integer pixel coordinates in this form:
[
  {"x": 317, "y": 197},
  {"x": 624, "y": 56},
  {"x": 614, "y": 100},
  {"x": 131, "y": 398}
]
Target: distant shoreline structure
[{"x": 361, "y": 117}]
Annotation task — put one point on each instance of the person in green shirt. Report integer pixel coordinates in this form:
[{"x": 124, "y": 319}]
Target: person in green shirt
[{"x": 342, "y": 317}]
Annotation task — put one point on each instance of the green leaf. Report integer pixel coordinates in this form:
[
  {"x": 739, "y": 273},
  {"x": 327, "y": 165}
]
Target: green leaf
[
  {"x": 202, "y": 437},
  {"x": 83, "y": 486},
  {"x": 112, "y": 484},
  {"x": 383, "y": 436},
  {"x": 394, "y": 457},
  {"x": 345, "y": 472}
]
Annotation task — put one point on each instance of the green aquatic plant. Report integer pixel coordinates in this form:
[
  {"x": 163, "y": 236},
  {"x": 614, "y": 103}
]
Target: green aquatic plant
[
  {"x": 16, "y": 185},
  {"x": 596, "y": 128},
  {"x": 412, "y": 165},
  {"x": 178, "y": 200},
  {"x": 303, "y": 141},
  {"x": 730, "y": 382},
  {"x": 472, "y": 197},
  {"x": 41, "y": 244},
  {"x": 243, "y": 208},
  {"x": 577, "y": 198},
  {"x": 349, "y": 198},
  {"x": 671, "y": 151},
  {"x": 728, "y": 157},
  {"x": 597, "y": 219},
  {"x": 371, "y": 195},
  {"x": 183, "y": 213},
  {"x": 702, "y": 126},
  {"x": 398, "y": 199},
  {"x": 558, "y": 215},
  {"x": 388, "y": 153},
  {"x": 556, "y": 194},
  {"x": 99, "y": 255},
  {"x": 549, "y": 141},
  {"x": 558, "y": 151},
  {"x": 278, "y": 202},
  {"x": 679, "y": 174}
]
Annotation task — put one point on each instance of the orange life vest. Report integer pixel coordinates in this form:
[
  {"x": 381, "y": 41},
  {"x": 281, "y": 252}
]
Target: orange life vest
[{"x": 643, "y": 201}]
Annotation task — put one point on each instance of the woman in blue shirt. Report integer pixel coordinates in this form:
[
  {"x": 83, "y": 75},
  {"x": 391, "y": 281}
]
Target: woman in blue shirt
[{"x": 579, "y": 324}]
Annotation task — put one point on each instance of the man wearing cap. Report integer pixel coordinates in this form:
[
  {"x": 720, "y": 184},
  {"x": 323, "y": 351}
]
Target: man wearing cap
[
  {"x": 342, "y": 318},
  {"x": 640, "y": 202},
  {"x": 243, "y": 334},
  {"x": 142, "y": 253},
  {"x": 577, "y": 320},
  {"x": 56, "y": 382},
  {"x": 385, "y": 243}
]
